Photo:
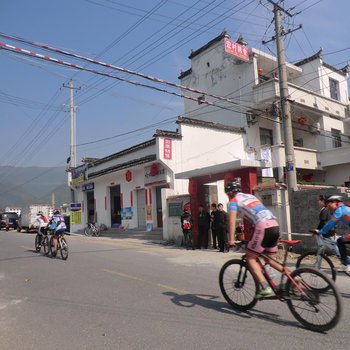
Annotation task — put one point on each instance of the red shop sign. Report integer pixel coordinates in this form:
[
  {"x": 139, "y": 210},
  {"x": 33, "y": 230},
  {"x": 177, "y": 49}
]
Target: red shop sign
[{"x": 154, "y": 169}]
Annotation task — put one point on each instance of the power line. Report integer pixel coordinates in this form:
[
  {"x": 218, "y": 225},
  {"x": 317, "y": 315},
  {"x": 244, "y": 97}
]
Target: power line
[{"x": 106, "y": 65}]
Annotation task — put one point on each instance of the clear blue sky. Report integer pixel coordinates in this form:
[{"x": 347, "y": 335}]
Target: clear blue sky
[{"x": 154, "y": 37}]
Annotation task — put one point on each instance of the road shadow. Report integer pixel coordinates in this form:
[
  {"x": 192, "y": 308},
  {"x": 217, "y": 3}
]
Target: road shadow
[{"x": 212, "y": 302}]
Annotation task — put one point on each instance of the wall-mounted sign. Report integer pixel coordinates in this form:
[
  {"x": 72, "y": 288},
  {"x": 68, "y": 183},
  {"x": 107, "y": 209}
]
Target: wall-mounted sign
[
  {"x": 168, "y": 149},
  {"x": 88, "y": 187},
  {"x": 75, "y": 213},
  {"x": 154, "y": 169},
  {"x": 153, "y": 177},
  {"x": 237, "y": 50}
]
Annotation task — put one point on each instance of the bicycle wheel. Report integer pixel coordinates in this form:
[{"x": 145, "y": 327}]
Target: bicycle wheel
[
  {"x": 320, "y": 262},
  {"x": 45, "y": 245},
  {"x": 97, "y": 231},
  {"x": 88, "y": 231},
  {"x": 316, "y": 309},
  {"x": 37, "y": 243},
  {"x": 51, "y": 245},
  {"x": 63, "y": 248},
  {"x": 238, "y": 285}
]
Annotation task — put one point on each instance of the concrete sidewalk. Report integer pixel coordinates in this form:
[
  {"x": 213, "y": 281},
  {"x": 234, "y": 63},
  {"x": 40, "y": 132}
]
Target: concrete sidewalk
[{"x": 155, "y": 236}]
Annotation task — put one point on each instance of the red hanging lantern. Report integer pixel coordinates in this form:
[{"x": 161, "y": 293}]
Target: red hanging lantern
[
  {"x": 154, "y": 169},
  {"x": 128, "y": 176},
  {"x": 302, "y": 120}
]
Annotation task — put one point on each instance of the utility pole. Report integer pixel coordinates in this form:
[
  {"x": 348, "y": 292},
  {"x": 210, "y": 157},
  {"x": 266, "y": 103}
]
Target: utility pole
[
  {"x": 285, "y": 107},
  {"x": 72, "y": 153},
  {"x": 277, "y": 137},
  {"x": 73, "y": 160}
]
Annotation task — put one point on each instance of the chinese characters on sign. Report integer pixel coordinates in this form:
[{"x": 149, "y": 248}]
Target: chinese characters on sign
[
  {"x": 237, "y": 50},
  {"x": 168, "y": 149},
  {"x": 75, "y": 214}
]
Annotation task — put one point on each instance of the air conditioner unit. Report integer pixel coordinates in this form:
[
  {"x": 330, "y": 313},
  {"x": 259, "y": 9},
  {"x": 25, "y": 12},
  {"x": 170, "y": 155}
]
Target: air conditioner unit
[
  {"x": 316, "y": 128},
  {"x": 251, "y": 118}
]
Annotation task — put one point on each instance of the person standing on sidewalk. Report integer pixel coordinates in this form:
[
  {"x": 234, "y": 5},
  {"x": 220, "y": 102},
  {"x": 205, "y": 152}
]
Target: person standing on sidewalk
[
  {"x": 220, "y": 220},
  {"x": 214, "y": 233},
  {"x": 203, "y": 227},
  {"x": 186, "y": 225}
]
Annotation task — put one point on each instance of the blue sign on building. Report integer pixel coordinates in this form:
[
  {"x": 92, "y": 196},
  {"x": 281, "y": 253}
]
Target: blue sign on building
[{"x": 88, "y": 187}]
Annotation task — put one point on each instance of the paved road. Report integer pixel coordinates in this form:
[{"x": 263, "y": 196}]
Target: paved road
[{"x": 129, "y": 293}]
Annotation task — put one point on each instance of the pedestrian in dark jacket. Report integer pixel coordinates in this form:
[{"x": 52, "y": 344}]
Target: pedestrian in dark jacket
[
  {"x": 220, "y": 220},
  {"x": 213, "y": 227},
  {"x": 203, "y": 227},
  {"x": 324, "y": 216}
]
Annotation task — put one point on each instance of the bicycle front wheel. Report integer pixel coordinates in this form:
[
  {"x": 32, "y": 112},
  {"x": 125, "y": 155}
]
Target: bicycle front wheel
[
  {"x": 51, "y": 245},
  {"x": 97, "y": 231},
  {"x": 37, "y": 243},
  {"x": 238, "y": 285},
  {"x": 320, "y": 262},
  {"x": 317, "y": 309},
  {"x": 45, "y": 245},
  {"x": 88, "y": 231},
  {"x": 63, "y": 248}
]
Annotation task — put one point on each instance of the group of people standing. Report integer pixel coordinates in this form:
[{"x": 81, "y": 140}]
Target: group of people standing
[{"x": 215, "y": 221}]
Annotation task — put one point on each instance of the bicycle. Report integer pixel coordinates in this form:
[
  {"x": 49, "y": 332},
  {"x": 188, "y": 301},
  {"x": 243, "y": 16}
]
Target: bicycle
[
  {"x": 319, "y": 258},
  {"x": 314, "y": 308},
  {"x": 62, "y": 246},
  {"x": 42, "y": 241},
  {"x": 92, "y": 229}
]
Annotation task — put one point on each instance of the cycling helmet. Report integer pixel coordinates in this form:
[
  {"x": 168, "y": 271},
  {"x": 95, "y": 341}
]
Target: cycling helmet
[
  {"x": 56, "y": 211},
  {"x": 233, "y": 186},
  {"x": 39, "y": 213},
  {"x": 333, "y": 198}
]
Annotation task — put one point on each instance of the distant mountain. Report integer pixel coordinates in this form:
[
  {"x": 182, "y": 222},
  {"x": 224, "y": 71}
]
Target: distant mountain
[{"x": 22, "y": 186}]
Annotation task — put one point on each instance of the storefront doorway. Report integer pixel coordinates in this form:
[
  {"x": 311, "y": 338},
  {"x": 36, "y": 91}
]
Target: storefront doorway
[
  {"x": 141, "y": 208},
  {"x": 116, "y": 218},
  {"x": 90, "y": 206},
  {"x": 159, "y": 206}
]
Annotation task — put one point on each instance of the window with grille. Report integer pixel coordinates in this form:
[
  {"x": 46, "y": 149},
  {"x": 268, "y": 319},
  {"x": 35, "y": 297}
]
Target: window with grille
[
  {"x": 336, "y": 138},
  {"x": 334, "y": 89},
  {"x": 266, "y": 136}
]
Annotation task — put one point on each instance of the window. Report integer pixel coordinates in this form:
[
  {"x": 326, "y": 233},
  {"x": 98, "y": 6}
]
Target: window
[
  {"x": 336, "y": 138},
  {"x": 334, "y": 89},
  {"x": 266, "y": 137}
]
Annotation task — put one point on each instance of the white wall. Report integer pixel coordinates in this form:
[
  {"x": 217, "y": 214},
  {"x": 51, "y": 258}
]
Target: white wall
[
  {"x": 203, "y": 147},
  {"x": 216, "y": 72}
]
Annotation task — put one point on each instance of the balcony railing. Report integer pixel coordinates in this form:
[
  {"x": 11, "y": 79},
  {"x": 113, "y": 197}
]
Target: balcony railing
[
  {"x": 305, "y": 158},
  {"x": 268, "y": 91}
]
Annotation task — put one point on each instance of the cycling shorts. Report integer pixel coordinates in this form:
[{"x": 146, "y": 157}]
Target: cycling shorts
[
  {"x": 59, "y": 232},
  {"x": 265, "y": 237}
]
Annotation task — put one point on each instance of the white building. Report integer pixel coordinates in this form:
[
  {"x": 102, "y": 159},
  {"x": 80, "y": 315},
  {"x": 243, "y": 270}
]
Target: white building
[
  {"x": 130, "y": 187},
  {"x": 319, "y": 102},
  {"x": 142, "y": 186}
]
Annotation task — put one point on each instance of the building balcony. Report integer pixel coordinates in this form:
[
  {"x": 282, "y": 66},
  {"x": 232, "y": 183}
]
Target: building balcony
[
  {"x": 268, "y": 91},
  {"x": 334, "y": 156},
  {"x": 305, "y": 158}
]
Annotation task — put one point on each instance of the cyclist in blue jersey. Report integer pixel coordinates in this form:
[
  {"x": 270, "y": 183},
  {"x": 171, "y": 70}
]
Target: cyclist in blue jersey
[
  {"x": 57, "y": 224},
  {"x": 266, "y": 231},
  {"x": 340, "y": 213}
]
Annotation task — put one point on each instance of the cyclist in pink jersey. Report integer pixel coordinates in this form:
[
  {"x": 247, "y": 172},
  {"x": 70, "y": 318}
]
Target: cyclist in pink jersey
[{"x": 266, "y": 230}]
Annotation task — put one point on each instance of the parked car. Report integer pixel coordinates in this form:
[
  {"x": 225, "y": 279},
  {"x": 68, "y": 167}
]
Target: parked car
[{"x": 9, "y": 220}]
